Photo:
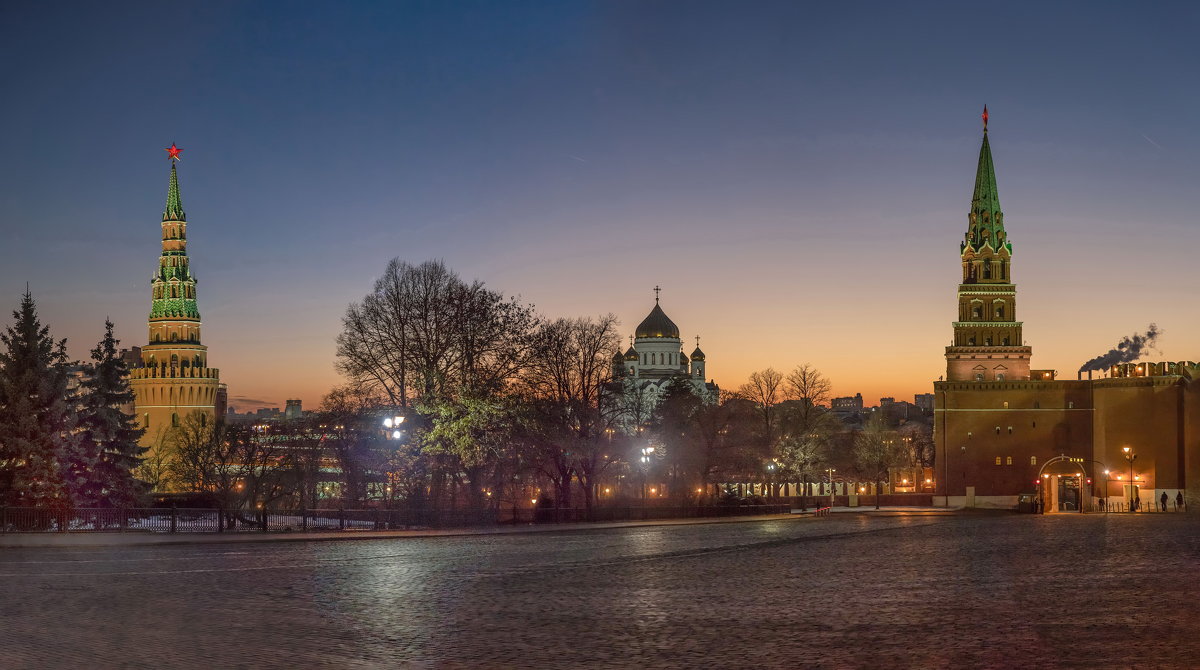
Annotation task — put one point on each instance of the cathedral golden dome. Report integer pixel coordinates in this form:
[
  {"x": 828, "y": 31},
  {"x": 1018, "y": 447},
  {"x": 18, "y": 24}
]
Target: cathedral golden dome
[{"x": 656, "y": 324}]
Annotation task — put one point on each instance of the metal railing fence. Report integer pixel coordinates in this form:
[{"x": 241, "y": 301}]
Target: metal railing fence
[
  {"x": 1143, "y": 506},
  {"x": 195, "y": 520}
]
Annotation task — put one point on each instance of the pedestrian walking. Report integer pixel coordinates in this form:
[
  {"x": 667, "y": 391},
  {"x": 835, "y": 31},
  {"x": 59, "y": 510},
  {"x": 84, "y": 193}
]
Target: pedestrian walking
[
  {"x": 1137, "y": 503},
  {"x": 1163, "y": 499},
  {"x": 1179, "y": 500}
]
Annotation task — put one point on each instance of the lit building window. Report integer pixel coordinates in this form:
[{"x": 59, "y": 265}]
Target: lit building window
[
  {"x": 1033, "y": 460},
  {"x": 997, "y": 460},
  {"x": 1008, "y": 460}
]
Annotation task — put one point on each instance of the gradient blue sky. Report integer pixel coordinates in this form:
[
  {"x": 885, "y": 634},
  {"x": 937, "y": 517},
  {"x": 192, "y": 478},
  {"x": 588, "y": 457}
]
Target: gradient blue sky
[{"x": 795, "y": 175}]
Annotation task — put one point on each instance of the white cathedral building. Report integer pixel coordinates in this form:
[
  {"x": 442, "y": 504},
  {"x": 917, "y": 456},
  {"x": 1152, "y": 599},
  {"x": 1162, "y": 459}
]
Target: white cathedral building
[{"x": 654, "y": 358}]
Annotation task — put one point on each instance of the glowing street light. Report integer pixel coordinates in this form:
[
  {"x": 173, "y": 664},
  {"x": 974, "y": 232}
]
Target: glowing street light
[{"x": 1131, "y": 457}]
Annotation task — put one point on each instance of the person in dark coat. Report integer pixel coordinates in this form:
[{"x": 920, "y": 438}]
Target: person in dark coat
[
  {"x": 1163, "y": 499},
  {"x": 1179, "y": 500}
]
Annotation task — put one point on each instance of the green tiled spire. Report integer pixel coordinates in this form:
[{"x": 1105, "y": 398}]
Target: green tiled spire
[
  {"x": 174, "y": 209},
  {"x": 174, "y": 287},
  {"x": 986, "y": 219},
  {"x": 985, "y": 197}
]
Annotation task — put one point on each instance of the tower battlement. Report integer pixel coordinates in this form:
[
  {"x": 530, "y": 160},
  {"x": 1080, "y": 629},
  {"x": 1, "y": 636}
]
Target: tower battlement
[
  {"x": 1150, "y": 369},
  {"x": 160, "y": 372}
]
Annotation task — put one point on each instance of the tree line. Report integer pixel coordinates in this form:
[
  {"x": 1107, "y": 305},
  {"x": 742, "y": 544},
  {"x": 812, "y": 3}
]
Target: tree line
[
  {"x": 67, "y": 437},
  {"x": 487, "y": 404},
  {"x": 506, "y": 405}
]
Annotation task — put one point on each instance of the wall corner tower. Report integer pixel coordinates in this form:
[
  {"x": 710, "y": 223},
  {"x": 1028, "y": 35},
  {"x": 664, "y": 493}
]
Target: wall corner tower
[{"x": 173, "y": 383}]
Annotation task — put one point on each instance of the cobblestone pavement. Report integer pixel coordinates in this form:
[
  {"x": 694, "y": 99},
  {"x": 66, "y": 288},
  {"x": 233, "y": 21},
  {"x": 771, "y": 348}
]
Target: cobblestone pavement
[{"x": 969, "y": 590}]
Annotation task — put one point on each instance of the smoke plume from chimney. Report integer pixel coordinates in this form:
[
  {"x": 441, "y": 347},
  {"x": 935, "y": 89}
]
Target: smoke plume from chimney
[{"x": 1129, "y": 349}]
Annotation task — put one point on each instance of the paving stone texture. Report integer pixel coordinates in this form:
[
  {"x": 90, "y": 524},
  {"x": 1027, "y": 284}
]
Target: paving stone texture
[{"x": 907, "y": 590}]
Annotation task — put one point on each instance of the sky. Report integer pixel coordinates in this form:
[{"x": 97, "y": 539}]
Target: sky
[{"x": 795, "y": 176}]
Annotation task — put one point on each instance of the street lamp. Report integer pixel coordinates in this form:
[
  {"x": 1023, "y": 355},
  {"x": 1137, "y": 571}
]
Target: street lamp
[
  {"x": 393, "y": 424},
  {"x": 1131, "y": 457},
  {"x": 647, "y": 457},
  {"x": 831, "y": 471}
]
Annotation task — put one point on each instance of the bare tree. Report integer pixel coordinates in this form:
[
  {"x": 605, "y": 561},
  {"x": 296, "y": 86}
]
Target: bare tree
[
  {"x": 807, "y": 425},
  {"x": 765, "y": 389},
  {"x": 190, "y": 455},
  {"x": 346, "y": 421},
  {"x": 876, "y": 451},
  {"x": 812, "y": 389},
  {"x": 424, "y": 333},
  {"x": 724, "y": 439},
  {"x": 916, "y": 449},
  {"x": 570, "y": 387}
]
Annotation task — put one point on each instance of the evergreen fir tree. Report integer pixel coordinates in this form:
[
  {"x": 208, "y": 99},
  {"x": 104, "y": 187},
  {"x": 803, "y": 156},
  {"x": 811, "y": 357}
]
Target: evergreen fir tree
[
  {"x": 101, "y": 474},
  {"x": 35, "y": 413}
]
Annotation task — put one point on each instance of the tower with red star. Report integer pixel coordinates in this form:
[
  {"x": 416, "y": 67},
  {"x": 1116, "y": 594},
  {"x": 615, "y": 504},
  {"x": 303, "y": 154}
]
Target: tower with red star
[
  {"x": 174, "y": 387},
  {"x": 988, "y": 344}
]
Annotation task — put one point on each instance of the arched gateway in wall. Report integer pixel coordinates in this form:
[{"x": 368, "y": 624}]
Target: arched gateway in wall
[{"x": 1064, "y": 485}]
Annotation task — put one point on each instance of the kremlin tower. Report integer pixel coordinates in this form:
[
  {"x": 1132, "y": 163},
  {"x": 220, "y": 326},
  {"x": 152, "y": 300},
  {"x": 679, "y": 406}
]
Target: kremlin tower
[
  {"x": 987, "y": 342},
  {"x": 173, "y": 381}
]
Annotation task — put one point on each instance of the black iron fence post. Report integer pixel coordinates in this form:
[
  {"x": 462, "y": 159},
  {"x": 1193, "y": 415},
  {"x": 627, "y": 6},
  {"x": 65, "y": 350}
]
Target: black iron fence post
[
  {"x": 341, "y": 519},
  {"x": 174, "y": 518},
  {"x": 303, "y": 518}
]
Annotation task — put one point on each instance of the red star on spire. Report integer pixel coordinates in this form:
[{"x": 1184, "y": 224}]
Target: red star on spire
[
  {"x": 985, "y": 117},
  {"x": 173, "y": 152}
]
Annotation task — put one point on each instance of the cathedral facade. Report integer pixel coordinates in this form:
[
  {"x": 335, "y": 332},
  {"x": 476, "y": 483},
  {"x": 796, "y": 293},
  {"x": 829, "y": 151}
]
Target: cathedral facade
[
  {"x": 655, "y": 357},
  {"x": 1004, "y": 430},
  {"x": 173, "y": 383}
]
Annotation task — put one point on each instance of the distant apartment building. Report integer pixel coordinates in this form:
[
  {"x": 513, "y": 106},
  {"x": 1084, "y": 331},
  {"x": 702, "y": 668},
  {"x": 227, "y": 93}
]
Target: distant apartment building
[
  {"x": 924, "y": 401},
  {"x": 848, "y": 404}
]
